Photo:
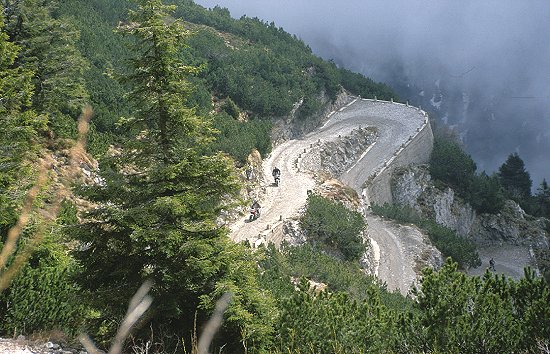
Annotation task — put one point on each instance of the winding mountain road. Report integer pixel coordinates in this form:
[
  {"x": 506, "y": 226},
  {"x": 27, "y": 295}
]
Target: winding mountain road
[{"x": 395, "y": 124}]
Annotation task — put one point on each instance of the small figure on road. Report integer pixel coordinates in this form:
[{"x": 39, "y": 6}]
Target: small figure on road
[
  {"x": 249, "y": 172},
  {"x": 276, "y": 172},
  {"x": 276, "y": 175},
  {"x": 492, "y": 265},
  {"x": 255, "y": 209}
]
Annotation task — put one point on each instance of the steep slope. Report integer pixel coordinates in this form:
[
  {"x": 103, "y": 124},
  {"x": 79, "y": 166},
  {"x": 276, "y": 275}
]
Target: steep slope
[{"x": 264, "y": 70}]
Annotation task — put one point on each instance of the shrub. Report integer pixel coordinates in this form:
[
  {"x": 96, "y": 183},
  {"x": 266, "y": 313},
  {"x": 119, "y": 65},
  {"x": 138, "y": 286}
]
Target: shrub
[
  {"x": 488, "y": 314},
  {"x": 451, "y": 166},
  {"x": 543, "y": 262},
  {"x": 239, "y": 138},
  {"x": 486, "y": 195},
  {"x": 333, "y": 225},
  {"x": 231, "y": 108},
  {"x": 43, "y": 296},
  {"x": 309, "y": 107},
  {"x": 278, "y": 266}
]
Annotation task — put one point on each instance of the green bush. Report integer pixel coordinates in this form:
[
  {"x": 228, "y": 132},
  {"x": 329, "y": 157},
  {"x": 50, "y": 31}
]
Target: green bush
[
  {"x": 543, "y": 261},
  {"x": 279, "y": 266},
  {"x": 42, "y": 297},
  {"x": 486, "y": 195},
  {"x": 239, "y": 138},
  {"x": 231, "y": 108},
  {"x": 334, "y": 226},
  {"x": 309, "y": 107},
  {"x": 450, "y": 164},
  {"x": 450, "y": 244},
  {"x": 67, "y": 213},
  {"x": 365, "y": 87},
  {"x": 349, "y": 317},
  {"x": 333, "y": 323},
  {"x": 488, "y": 314}
]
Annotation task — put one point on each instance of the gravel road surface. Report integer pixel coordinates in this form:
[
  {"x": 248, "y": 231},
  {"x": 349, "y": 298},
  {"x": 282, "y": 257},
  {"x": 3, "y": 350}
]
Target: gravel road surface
[{"x": 395, "y": 123}]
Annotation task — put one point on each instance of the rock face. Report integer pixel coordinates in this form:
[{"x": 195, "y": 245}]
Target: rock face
[
  {"x": 412, "y": 187},
  {"x": 334, "y": 157},
  {"x": 408, "y": 185},
  {"x": 512, "y": 226},
  {"x": 339, "y": 155}
]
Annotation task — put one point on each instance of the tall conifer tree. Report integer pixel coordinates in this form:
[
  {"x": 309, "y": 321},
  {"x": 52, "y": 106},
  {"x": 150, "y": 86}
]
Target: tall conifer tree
[
  {"x": 542, "y": 199},
  {"x": 48, "y": 49},
  {"x": 514, "y": 178},
  {"x": 157, "y": 210},
  {"x": 18, "y": 127}
]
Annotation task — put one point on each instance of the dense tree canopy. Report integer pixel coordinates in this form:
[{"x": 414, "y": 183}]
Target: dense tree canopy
[
  {"x": 490, "y": 314},
  {"x": 20, "y": 128},
  {"x": 542, "y": 199},
  {"x": 49, "y": 51},
  {"x": 452, "y": 166}
]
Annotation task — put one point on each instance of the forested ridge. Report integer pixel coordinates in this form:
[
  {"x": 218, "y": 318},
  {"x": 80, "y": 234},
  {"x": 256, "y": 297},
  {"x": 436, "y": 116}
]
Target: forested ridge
[{"x": 178, "y": 97}]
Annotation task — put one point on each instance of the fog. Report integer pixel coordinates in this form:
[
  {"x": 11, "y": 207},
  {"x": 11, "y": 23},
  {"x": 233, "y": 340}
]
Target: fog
[{"x": 481, "y": 68}]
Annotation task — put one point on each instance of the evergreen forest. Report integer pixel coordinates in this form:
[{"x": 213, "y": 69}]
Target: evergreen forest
[{"x": 158, "y": 104}]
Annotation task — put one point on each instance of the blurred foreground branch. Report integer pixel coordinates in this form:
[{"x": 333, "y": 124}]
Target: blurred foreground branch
[
  {"x": 213, "y": 324},
  {"x": 139, "y": 303}
]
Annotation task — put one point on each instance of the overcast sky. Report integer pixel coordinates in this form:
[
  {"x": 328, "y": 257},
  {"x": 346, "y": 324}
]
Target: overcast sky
[{"x": 496, "y": 50}]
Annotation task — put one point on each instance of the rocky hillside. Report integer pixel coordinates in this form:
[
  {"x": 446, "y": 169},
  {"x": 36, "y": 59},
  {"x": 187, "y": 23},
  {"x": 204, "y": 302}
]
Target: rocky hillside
[{"x": 413, "y": 187}]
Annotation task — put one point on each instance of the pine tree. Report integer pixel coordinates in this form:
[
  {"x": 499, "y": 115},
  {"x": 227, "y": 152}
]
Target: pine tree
[
  {"x": 489, "y": 314},
  {"x": 514, "y": 178},
  {"x": 18, "y": 127},
  {"x": 157, "y": 210},
  {"x": 486, "y": 195},
  {"x": 450, "y": 164},
  {"x": 48, "y": 49}
]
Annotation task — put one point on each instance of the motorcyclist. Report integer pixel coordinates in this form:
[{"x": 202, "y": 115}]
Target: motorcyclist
[
  {"x": 255, "y": 210},
  {"x": 276, "y": 175}
]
